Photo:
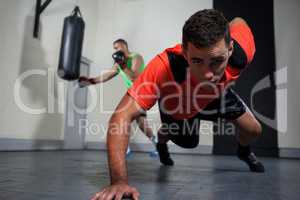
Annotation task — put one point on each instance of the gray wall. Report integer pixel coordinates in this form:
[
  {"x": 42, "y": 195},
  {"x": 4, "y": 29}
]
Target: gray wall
[
  {"x": 287, "y": 32},
  {"x": 21, "y": 53}
]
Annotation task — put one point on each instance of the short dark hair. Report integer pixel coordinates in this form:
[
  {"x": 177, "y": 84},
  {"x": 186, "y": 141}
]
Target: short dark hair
[
  {"x": 205, "y": 28},
  {"x": 121, "y": 41}
]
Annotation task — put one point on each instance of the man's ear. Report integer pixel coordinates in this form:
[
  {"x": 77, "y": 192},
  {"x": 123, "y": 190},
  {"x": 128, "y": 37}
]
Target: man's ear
[
  {"x": 184, "y": 52},
  {"x": 230, "y": 49}
]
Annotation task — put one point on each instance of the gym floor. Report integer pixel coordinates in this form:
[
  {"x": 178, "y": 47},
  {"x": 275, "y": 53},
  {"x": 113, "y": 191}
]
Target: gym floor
[{"x": 64, "y": 175}]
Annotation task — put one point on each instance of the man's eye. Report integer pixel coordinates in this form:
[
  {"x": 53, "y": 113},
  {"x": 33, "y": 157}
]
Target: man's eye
[
  {"x": 196, "y": 61},
  {"x": 217, "y": 62}
]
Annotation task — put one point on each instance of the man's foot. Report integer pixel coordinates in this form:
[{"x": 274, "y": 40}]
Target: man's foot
[
  {"x": 128, "y": 152},
  {"x": 153, "y": 154},
  {"x": 164, "y": 154},
  {"x": 244, "y": 153}
]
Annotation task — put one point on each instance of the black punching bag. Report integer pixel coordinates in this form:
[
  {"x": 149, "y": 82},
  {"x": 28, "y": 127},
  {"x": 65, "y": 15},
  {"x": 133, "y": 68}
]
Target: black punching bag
[{"x": 71, "y": 46}]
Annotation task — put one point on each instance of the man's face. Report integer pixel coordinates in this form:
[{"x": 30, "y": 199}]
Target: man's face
[
  {"x": 119, "y": 46},
  {"x": 208, "y": 64}
]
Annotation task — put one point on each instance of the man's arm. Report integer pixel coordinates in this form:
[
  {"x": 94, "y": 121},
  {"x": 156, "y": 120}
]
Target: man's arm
[
  {"x": 106, "y": 75},
  {"x": 136, "y": 65},
  {"x": 118, "y": 135},
  {"x": 117, "y": 142},
  {"x": 244, "y": 47},
  {"x": 141, "y": 96},
  {"x": 237, "y": 20}
]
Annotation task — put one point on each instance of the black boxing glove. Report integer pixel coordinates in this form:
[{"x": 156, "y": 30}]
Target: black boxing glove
[{"x": 119, "y": 57}]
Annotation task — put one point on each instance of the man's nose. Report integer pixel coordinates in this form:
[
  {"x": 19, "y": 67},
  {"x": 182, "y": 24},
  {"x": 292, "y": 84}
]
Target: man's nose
[{"x": 208, "y": 75}]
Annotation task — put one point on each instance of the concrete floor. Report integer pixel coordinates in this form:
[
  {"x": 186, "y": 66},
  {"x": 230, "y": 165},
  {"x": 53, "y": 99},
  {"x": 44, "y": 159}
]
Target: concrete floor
[{"x": 77, "y": 175}]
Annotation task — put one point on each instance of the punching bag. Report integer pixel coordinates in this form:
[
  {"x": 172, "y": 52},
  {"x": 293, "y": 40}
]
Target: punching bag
[{"x": 71, "y": 46}]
